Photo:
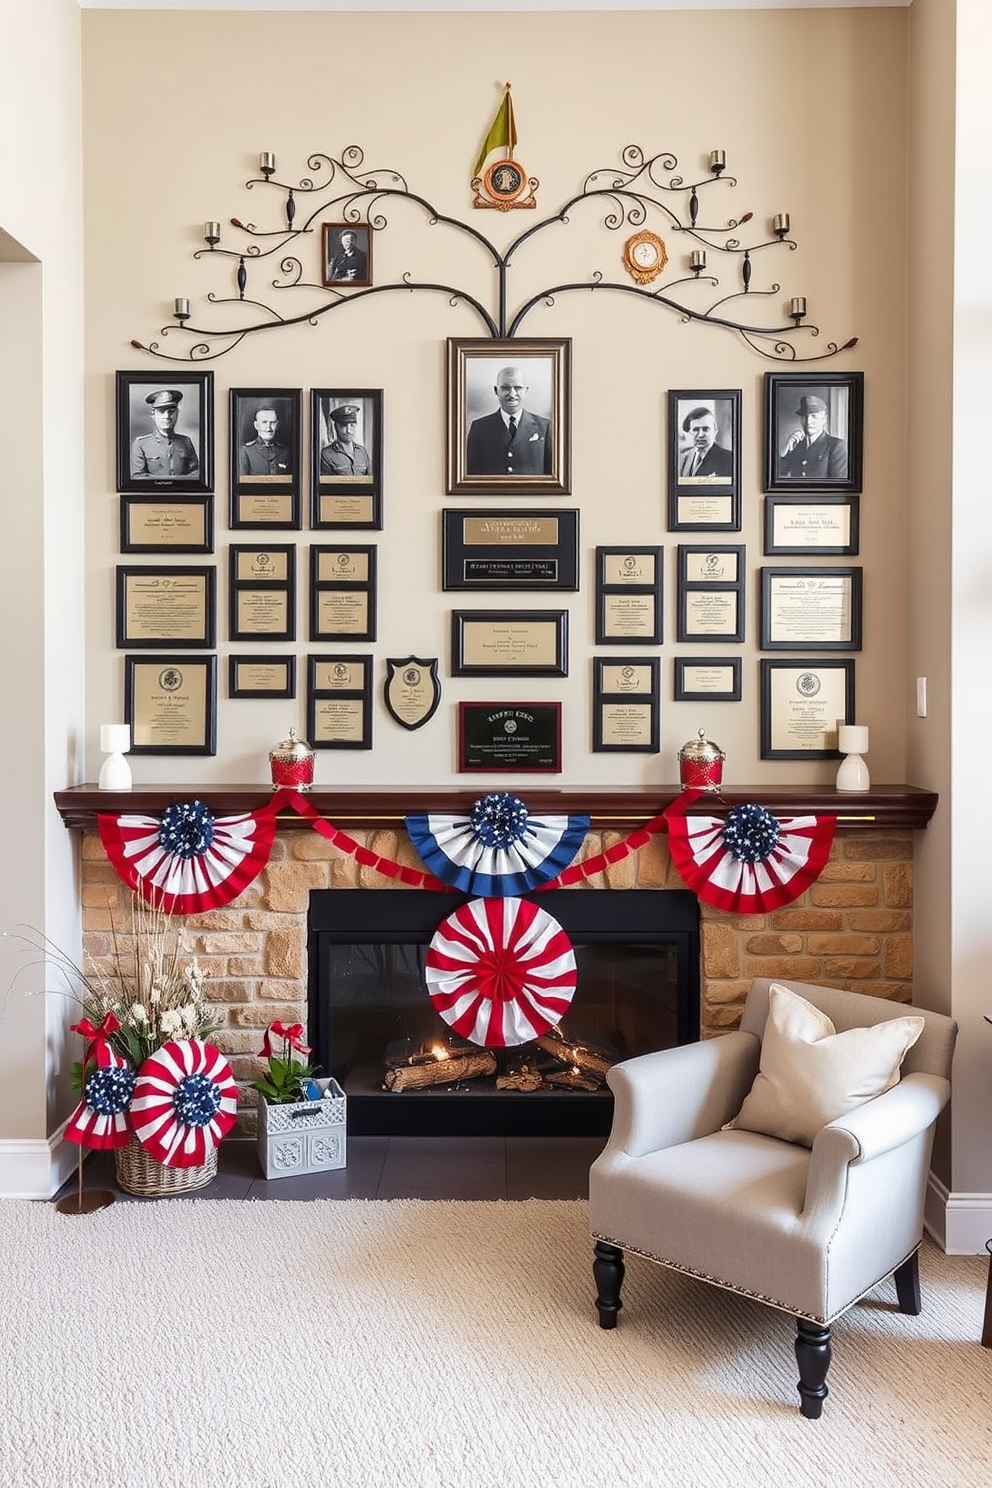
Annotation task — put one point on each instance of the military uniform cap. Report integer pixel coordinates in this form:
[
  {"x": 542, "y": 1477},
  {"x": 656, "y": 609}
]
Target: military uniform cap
[
  {"x": 346, "y": 414},
  {"x": 165, "y": 398},
  {"x": 810, "y": 405}
]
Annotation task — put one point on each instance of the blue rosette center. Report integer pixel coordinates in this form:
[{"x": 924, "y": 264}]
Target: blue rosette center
[
  {"x": 751, "y": 833},
  {"x": 499, "y": 819},
  {"x": 186, "y": 829},
  {"x": 197, "y": 1100},
  {"x": 108, "y": 1091}
]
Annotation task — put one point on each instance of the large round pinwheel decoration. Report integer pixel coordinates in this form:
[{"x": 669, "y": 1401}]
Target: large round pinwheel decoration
[
  {"x": 185, "y": 1100},
  {"x": 500, "y": 971}
]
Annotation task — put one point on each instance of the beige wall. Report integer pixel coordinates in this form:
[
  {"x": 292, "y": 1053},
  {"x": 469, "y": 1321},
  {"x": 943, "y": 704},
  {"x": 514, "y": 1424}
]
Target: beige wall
[{"x": 797, "y": 142}]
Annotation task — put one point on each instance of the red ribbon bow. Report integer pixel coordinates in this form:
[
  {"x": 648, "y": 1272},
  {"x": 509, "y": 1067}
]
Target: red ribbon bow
[
  {"x": 92, "y": 1034},
  {"x": 291, "y": 1032}
]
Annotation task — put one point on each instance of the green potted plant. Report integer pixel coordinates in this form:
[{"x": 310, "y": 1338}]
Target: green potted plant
[{"x": 301, "y": 1117}]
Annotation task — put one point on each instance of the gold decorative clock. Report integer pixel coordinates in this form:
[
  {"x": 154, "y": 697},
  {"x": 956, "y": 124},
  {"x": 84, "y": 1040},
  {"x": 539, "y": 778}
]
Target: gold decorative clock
[{"x": 644, "y": 256}]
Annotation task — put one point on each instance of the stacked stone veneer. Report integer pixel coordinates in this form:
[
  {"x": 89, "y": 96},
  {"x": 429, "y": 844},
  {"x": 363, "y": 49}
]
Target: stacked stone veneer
[{"x": 852, "y": 928}]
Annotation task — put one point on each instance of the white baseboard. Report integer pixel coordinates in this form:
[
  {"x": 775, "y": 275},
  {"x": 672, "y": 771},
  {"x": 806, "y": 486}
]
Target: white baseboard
[
  {"x": 959, "y": 1222},
  {"x": 36, "y": 1169}
]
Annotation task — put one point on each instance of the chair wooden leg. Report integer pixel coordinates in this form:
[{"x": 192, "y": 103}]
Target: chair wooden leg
[
  {"x": 813, "y": 1358},
  {"x": 607, "y": 1270},
  {"x": 907, "y": 1280}
]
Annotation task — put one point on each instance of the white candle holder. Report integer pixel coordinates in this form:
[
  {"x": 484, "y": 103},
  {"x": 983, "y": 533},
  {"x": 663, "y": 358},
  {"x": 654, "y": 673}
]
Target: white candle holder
[
  {"x": 852, "y": 741},
  {"x": 115, "y": 741}
]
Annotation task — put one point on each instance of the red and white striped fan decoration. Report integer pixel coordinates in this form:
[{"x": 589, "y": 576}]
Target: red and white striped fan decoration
[
  {"x": 100, "y": 1119},
  {"x": 185, "y": 1101},
  {"x": 500, "y": 971}
]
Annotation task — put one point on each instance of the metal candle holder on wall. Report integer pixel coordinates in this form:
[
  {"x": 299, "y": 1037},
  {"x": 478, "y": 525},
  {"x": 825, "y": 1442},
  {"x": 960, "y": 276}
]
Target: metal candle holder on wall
[{"x": 643, "y": 188}]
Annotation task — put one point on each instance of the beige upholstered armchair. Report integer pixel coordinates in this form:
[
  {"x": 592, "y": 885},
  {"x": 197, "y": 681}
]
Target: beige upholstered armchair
[{"x": 809, "y": 1224}]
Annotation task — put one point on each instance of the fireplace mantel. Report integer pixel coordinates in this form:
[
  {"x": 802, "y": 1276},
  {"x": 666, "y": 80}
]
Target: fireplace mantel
[{"x": 884, "y": 807}]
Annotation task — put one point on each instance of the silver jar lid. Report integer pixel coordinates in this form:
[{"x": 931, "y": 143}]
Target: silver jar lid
[
  {"x": 701, "y": 750},
  {"x": 291, "y": 749}
]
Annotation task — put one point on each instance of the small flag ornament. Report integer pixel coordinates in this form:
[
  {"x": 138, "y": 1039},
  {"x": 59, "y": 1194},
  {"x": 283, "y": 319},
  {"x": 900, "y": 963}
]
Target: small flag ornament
[
  {"x": 503, "y": 184},
  {"x": 502, "y": 132}
]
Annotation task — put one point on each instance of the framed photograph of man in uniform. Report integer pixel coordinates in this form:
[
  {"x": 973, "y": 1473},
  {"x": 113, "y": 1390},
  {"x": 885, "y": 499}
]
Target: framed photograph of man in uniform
[
  {"x": 265, "y": 426},
  {"x": 508, "y": 411},
  {"x": 704, "y": 460},
  {"x": 814, "y": 431},
  {"x": 346, "y": 458},
  {"x": 165, "y": 436},
  {"x": 347, "y": 255}
]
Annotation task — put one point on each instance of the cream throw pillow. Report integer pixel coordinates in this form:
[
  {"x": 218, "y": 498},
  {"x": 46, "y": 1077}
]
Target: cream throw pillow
[{"x": 810, "y": 1074}]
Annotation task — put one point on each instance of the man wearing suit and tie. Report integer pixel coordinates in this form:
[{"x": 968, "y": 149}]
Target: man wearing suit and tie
[
  {"x": 704, "y": 460},
  {"x": 511, "y": 441}
]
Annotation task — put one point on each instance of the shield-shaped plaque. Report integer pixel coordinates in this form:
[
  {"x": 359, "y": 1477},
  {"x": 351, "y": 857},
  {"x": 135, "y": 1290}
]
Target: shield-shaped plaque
[{"x": 412, "y": 691}]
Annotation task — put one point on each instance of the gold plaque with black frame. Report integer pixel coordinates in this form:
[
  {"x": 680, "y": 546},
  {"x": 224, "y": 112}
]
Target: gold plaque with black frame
[
  {"x": 804, "y": 526},
  {"x": 339, "y": 702},
  {"x": 518, "y": 737},
  {"x": 167, "y": 524},
  {"x": 802, "y": 704},
  {"x": 166, "y": 606},
  {"x": 342, "y": 593},
  {"x": 510, "y": 549},
  {"x": 411, "y": 691},
  {"x": 346, "y": 458},
  {"x": 261, "y": 676},
  {"x": 710, "y": 594},
  {"x": 171, "y": 704},
  {"x": 509, "y": 643},
  {"x": 811, "y": 609},
  {"x": 262, "y": 593},
  {"x": 708, "y": 679},
  {"x": 266, "y": 456},
  {"x": 628, "y": 596},
  {"x": 626, "y": 706}
]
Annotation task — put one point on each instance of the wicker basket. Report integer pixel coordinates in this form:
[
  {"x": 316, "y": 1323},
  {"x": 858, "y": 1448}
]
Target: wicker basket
[{"x": 139, "y": 1173}]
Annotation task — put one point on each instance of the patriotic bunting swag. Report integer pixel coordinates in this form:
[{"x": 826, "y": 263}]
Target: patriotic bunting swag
[
  {"x": 500, "y": 848},
  {"x": 500, "y": 971},
  {"x": 100, "y": 1119},
  {"x": 184, "y": 1102}
]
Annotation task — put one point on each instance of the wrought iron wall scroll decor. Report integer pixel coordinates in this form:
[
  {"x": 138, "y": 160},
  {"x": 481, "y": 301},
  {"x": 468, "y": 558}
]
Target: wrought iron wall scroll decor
[{"x": 644, "y": 189}]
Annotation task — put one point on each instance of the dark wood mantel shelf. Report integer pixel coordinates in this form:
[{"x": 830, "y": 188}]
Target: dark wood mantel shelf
[{"x": 884, "y": 807}]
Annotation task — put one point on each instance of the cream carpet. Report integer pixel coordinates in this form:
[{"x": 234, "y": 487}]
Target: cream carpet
[{"x": 348, "y": 1344}]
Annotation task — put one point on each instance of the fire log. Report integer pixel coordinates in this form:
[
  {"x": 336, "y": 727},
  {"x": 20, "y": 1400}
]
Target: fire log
[
  {"x": 468, "y": 1066},
  {"x": 571, "y": 1079},
  {"x": 592, "y": 1062}
]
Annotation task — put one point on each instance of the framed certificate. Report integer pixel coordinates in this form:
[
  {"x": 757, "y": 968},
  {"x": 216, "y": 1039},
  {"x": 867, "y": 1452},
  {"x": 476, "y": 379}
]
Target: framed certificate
[
  {"x": 346, "y": 458},
  {"x": 167, "y": 524},
  {"x": 171, "y": 704},
  {"x": 628, "y": 596},
  {"x": 523, "y": 738},
  {"x": 342, "y": 593},
  {"x": 704, "y": 460},
  {"x": 262, "y": 593},
  {"x": 508, "y": 417},
  {"x": 261, "y": 676},
  {"x": 814, "y": 431},
  {"x": 797, "y": 526},
  {"x": 802, "y": 705},
  {"x": 171, "y": 606},
  {"x": 265, "y": 457},
  {"x": 626, "y": 704},
  {"x": 707, "y": 679},
  {"x": 511, "y": 643},
  {"x": 710, "y": 594},
  {"x": 806, "y": 609},
  {"x": 165, "y": 432},
  {"x": 510, "y": 549},
  {"x": 339, "y": 702}
]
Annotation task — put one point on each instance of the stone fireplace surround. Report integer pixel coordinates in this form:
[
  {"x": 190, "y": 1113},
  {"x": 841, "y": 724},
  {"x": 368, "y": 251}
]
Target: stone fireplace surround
[{"x": 852, "y": 928}]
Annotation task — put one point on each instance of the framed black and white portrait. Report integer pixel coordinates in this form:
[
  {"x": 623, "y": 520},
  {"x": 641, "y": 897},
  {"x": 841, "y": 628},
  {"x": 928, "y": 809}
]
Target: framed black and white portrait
[
  {"x": 347, "y": 255},
  {"x": 165, "y": 431},
  {"x": 704, "y": 460},
  {"x": 508, "y": 417},
  {"x": 346, "y": 462},
  {"x": 814, "y": 431},
  {"x": 265, "y": 457}
]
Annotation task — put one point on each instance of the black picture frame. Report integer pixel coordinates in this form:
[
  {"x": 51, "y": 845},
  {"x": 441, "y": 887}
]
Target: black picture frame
[
  {"x": 343, "y": 592},
  {"x": 708, "y": 679},
  {"x": 802, "y": 703},
  {"x": 835, "y": 463},
  {"x": 812, "y": 526},
  {"x": 626, "y": 707},
  {"x": 704, "y": 426},
  {"x": 140, "y": 447},
  {"x": 261, "y": 590},
  {"x": 160, "y": 522},
  {"x": 257, "y": 676},
  {"x": 170, "y": 701},
  {"x": 788, "y": 595},
  {"x": 629, "y": 588},
  {"x": 265, "y": 474},
  {"x": 518, "y": 737},
  {"x": 339, "y": 701},
  {"x": 480, "y": 452},
  {"x": 510, "y": 549},
  {"x": 496, "y": 643},
  {"x": 161, "y": 604},
  {"x": 346, "y": 476},
  {"x": 340, "y": 269},
  {"x": 710, "y": 605}
]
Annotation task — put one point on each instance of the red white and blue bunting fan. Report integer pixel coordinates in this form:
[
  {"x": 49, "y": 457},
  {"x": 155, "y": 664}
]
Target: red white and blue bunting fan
[
  {"x": 100, "y": 1119},
  {"x": 499, "y": 849},
  {"x": 188, "y": 860},
  {"x": 750, "y": 861},
  {"x": 500, "y": 971},
  {"x": 184, "y": 1103}
]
